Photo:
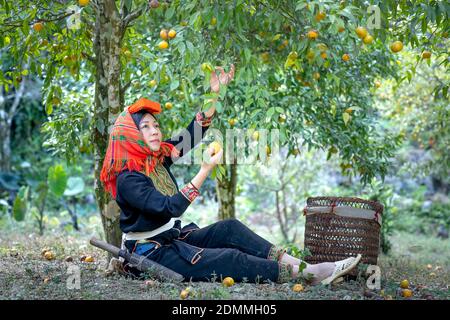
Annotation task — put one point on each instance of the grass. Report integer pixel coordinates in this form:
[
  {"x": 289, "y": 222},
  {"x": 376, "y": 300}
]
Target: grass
[{"x": 24, "y": 270}]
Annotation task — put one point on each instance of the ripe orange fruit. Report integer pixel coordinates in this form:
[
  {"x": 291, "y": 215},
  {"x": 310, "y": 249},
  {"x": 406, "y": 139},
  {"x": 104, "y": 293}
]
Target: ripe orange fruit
[
  {"x": 345, "y": 57},
  {"x": 172, "y": 34},
  {"x": 163, "y": 34},
  {"x": 184, "y": 294},
  {"x": 316, "y": 75},
  {"x": 83, "y": 2},
  {"x": 426, "y": 55},
  {"x": 265, "y": 56},
  {"x": 396, "y": 46},
  {"x": 349, "y": 110},
  {"x": 168, "y": 105},
  {"x": 407, "y": 293},
  {"x": 163, "y": 45},
  {"x": 49, "y": 255},
  {"x": 312, "y": 34},
  {"x": 298, "y": 288},
  {"x": 323, "y": 55},
  {"x": 232, "y": 122},
  {"x": 38, "y": 26},
  {"x": 368, "y": 39},
  {"x": 320, "y": 16},
  {"x": 361, "y": 32},
  {"x": 89, "y": 259},
  {"x": 341, "y": 29},
  {"x": 217, "y": 147},
  {"x": 228, "y": 282},
  {"x": 404, "y": 284}
]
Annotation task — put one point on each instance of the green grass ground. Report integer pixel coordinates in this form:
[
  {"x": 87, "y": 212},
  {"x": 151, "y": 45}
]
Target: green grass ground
[{"x": 23, "y": 271}]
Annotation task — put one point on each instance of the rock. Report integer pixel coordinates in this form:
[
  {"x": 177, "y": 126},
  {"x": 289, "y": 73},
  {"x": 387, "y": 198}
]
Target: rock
[{"x": 442, "y": 232}]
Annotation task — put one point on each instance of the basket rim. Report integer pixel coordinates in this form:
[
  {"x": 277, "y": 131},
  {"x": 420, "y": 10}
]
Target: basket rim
[{"x": 344, "y": 201}]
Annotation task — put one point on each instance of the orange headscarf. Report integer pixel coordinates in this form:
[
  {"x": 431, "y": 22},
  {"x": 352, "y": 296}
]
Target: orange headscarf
[{"x": 127, "y": 148}]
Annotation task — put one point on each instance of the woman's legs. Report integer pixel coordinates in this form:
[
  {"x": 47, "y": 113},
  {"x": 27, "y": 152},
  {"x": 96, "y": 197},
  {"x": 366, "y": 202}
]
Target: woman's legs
[
  {"x": 231, "y": 233},
  {"x": 225, "y": 262}
]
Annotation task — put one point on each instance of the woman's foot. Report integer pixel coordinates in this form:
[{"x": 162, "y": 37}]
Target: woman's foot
[{"x": 328, "y": 272}]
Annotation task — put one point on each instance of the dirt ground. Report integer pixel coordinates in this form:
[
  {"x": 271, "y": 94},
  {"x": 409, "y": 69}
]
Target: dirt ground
[{"x": 26, "y": 274}]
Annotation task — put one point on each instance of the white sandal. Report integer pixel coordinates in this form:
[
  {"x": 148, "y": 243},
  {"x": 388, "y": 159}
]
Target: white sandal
[{"x": 341, "y": 268}]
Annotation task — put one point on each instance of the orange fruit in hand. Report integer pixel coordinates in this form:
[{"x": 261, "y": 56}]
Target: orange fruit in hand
[
  {"x": 361, "y": 32},
  {"x": 38, "y": 26},
  {"x": 345, "y": 57},
  {"x": 163, "y": 34},
  {"x": 217, "y": 147},
  {"x": 298, "y": 288},
  {"x": 404, "y": 284},
  {"x": 312, "y": 34},
  {"x": 396, "y": 46},
  {"x": 228, "y": 282},
  {"x": 172, "y": 34},
  {"x": 426, "y": 55}
]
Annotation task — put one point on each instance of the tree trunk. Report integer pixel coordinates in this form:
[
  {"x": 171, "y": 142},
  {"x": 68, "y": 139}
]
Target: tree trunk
[
  {"x": 107, "y": 43},
  {"x": 5, "y": 152},
  {"x": 226, "y": 192}
]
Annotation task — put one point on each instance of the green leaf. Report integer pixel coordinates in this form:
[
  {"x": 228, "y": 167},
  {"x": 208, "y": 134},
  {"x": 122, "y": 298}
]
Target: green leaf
[
  {"x": 57, "y": 180},
  {"x": 346, "y": 117},
  {"x": 170, "y": 12},
  {"x": 20, "y": 205},
  {"x": 175, "y": 84},
  {"x": 75, "y": 185}
]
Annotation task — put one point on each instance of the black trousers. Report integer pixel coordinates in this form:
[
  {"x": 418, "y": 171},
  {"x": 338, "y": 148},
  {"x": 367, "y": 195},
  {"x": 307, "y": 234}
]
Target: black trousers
[{"x": 226, "y": 248}]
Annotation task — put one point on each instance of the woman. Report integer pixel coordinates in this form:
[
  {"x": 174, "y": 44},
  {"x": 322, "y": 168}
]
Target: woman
[{"x": 136, "y": 171}]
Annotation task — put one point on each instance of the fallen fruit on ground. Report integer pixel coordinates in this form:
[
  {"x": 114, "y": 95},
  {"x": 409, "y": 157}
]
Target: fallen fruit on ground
[
  {"x": 89, "y": 259},
  {"x": 404, "y": 284},
  {"x": 407, "y": 293},
  {"x": 298, "y": 288},
  {"x": 49, "y": 255},
  {"x": 228, "y": 282}
]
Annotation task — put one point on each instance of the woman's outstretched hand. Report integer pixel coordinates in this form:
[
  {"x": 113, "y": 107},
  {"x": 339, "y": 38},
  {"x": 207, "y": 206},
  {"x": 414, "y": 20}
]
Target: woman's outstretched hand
[{"x": 224, "y": 78}]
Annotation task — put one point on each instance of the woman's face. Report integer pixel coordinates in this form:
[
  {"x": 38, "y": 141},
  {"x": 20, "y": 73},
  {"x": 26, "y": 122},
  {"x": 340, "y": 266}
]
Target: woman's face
[{"x": 151, "y": 132}]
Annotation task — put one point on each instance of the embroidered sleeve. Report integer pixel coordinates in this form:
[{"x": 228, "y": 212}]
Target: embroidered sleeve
[
  {"x": 203, "y": 120},
  {"x": 190, "y": 192}
]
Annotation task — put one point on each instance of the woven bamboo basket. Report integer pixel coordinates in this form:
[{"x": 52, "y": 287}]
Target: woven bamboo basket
[{"x": 338, "y": 228}]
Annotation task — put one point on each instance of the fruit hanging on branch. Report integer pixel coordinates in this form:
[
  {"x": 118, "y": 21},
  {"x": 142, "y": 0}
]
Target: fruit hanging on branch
[{"x": 153, "y": 4}]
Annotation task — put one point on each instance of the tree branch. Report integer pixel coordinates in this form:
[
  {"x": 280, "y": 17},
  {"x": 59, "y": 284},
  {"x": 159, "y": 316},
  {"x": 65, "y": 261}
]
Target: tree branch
[{"x": 133, "y": 15}]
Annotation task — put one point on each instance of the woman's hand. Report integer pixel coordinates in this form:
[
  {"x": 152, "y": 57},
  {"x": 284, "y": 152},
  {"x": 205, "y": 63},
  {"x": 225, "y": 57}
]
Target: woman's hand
[
  {"x": 224, "y": 78},
  {"x": 214, "y": 160}
]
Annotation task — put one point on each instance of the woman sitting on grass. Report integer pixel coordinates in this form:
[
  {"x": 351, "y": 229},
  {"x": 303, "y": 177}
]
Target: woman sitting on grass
[{"x": 136, "y": 171}]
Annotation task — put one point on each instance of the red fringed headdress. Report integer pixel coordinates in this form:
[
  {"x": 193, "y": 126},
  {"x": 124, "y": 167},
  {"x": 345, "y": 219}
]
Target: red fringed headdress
[{"x": 127, "y": 148}]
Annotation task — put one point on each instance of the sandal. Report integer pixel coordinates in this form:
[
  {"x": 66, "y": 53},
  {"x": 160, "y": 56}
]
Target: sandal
[{"x": 341, "y": 268}]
